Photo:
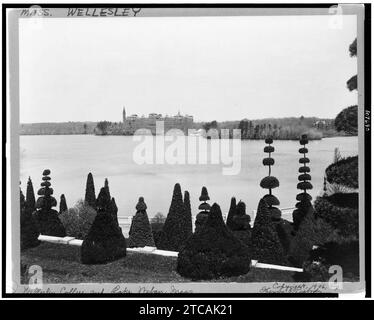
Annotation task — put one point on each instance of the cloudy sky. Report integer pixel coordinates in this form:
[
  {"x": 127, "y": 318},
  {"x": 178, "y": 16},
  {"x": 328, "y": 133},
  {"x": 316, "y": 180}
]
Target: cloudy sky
[{"x": 215, "y": 68}]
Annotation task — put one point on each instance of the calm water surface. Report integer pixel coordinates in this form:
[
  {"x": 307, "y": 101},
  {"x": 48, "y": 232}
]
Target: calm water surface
[{"x": 70, "y": 158}]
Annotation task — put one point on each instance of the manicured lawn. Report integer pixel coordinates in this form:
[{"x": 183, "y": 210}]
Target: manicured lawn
[{"x": 61, "y": 264}]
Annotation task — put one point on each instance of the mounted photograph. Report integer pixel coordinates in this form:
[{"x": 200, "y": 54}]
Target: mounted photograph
[{"x": 186, "y": 150}]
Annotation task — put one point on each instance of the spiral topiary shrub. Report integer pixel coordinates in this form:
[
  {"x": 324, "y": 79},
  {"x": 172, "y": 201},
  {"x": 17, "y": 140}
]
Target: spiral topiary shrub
[
  {"x": 46, "y": 218},
  {"x": 270, "y": 183},
  {"x": 266, "y": 245},
  {"x": 304, "y": 199},
  {"x": 105, "y": 241},
  {"x": 213, "y": 252},
  {"x": 29, "y": 230},
  {"x": 140, "y": 234},
  {"x": 202, "y": 216}
]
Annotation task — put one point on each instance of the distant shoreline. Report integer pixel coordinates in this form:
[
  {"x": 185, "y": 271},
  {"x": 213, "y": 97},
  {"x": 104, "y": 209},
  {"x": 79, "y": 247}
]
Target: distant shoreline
[{"x": 287, "y": 128}]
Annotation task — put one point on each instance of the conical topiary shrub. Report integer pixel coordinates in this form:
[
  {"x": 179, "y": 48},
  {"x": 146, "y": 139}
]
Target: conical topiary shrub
[
  {"x": 106, "y": 186},
  {"x": 140, "y": 234},
  {"x": 213, "y": 252},
  {"x": 270, "y": 183},
  {"x": 304, "y": 199},
  {"x": 46, "y": 218},
  {"x": 114, "y": 210},
  {"x": 29, "y": 231},
  {"x": 30, "y": 197},
  {"x": 105, "y": 241},
  {"x": 90, "y": 197},
  {"x": 63, "y": 205},
  {"x": 188, "y": 213},
  {"x": 230, "y": 216},
  {"x": 174, "y": 230},
  {"x": 266, "y": 245},
  {"x": 202, "y": 216}
]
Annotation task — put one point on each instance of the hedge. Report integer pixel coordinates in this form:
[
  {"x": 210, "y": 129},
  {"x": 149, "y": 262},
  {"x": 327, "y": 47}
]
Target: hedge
[
  {"x": 334, "y": 211},
  {"x": 344, "y": 172}
]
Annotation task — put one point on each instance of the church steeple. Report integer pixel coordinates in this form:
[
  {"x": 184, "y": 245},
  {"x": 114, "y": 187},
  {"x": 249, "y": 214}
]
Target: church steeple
[{"x": 124, "y": 115}]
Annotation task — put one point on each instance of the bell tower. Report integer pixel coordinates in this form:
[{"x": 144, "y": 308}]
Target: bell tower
[{"x": 124, "y": 115}]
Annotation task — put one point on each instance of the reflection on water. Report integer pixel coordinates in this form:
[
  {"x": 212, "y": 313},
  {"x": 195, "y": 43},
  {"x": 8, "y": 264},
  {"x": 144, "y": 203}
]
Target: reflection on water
[{"x": 72, "y": 157}]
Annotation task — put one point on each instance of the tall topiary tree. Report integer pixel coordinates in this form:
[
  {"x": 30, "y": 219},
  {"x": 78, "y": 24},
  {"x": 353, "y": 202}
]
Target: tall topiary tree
[
  {"x": 30, "y": 197},
  {"x": 63, "y": 205},
  {"x": 241, "y": 224},
  {"x": 29, "y": 231},
  {"x": 173, "y": 232},
  {"x": 266, "y": 245},
  {"x": 90, "y": 197},
  {"x": 140, "y": 234},
  {"x": 188, "y": 213},
  {"x": 304, "y": 198},
  {"x": 105, "y": 241},
  {"x": 46, "y": 218},
  {"x": 230, "y": 216},
  {"x": 214, "y": 252},
  {"x": 270, "y": 182},
  {"x": 202, "y": 216}
]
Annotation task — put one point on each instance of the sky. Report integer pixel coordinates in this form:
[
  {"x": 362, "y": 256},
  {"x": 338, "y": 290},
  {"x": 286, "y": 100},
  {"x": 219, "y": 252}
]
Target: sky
[{"x": 214, "y": 68}]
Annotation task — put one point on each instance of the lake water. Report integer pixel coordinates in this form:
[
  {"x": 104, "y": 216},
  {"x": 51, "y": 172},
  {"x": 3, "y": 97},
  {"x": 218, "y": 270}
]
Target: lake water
[{"x": 71, "y": 157}]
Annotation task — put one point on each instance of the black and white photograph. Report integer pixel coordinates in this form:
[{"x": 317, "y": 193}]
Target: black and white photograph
[{"x": 186, "y": 150}]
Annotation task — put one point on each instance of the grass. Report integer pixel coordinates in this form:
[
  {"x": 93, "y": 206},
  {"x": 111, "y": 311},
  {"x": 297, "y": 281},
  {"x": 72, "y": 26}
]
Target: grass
[{"x": 61, "y": 264}]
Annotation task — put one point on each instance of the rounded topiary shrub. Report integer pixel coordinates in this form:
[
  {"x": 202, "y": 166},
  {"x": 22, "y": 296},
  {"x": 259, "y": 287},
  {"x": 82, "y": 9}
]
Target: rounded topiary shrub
[
  {"x": 140, "y": 234},
  {"x": 78, "y": 220},
  {"x": 29, "y": 231},
  {"x": 213, "y": 252},
  {"x": 46, "y": 218},
  {"x": 340, "y": 210},
  {"x": 266, "y": 245},
  {"x": 105, "y": 241}
]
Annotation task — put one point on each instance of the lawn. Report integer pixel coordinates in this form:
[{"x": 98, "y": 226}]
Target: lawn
[{"x": 61, "y": 264}]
